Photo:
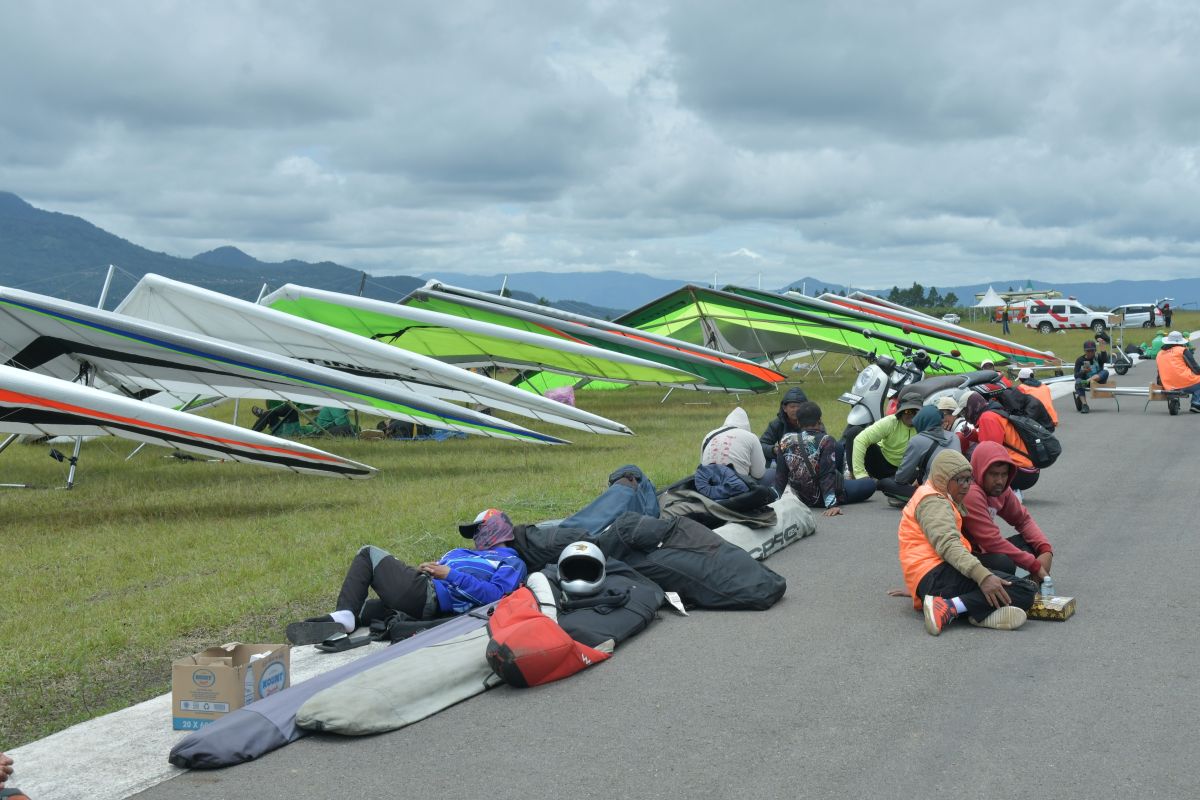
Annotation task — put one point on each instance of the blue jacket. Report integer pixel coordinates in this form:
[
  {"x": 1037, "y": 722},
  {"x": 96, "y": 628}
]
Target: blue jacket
[{"x": 477, "y": 577}]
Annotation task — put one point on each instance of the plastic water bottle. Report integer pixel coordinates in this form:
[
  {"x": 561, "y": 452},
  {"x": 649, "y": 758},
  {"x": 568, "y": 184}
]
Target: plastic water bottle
[{"x": 1047, "y": 587}]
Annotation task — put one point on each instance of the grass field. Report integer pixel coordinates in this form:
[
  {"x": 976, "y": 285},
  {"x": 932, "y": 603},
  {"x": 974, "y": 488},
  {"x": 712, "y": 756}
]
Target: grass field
[{"x": 155, "y": 558}]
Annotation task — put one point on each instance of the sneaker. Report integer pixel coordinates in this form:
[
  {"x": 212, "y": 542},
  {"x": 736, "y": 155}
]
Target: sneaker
[
  {"x": 897, "y": 502},
  {"x": 1194, "y": 409},
  {"x": 1083, "y": 408},
  {"x": 1005, "y": 618},
  {"x": 1078, "y": 402},
  {"x": 939, "y": 612},
  {"x": 313, "y": 630}
]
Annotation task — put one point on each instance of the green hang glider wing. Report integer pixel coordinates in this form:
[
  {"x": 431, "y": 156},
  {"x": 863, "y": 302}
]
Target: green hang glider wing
[
  {"x": 716, "y": 369},
  {"x": 767, "y": 326}
]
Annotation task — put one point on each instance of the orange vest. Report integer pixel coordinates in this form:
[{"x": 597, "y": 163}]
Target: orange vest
[
  {"x": 917, "y": 555},
  {"x": 1173, "y": 371},
  {"x": 1042, "y": 393}
]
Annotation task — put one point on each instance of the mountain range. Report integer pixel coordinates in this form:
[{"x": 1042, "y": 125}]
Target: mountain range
[{"x": 65, "y": 256}]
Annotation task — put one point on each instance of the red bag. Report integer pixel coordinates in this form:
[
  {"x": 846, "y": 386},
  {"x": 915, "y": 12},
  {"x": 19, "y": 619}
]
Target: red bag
[{"x": 527, "y": 648}]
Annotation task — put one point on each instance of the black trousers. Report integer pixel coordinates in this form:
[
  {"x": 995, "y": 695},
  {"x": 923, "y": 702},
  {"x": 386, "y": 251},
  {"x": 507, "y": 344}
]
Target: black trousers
[
  {"x": 878, "y": 467},
  {"x": 945, "y": 581},
  {"x": 891, "y": 488},
  {"x": 399, "y": 586}
]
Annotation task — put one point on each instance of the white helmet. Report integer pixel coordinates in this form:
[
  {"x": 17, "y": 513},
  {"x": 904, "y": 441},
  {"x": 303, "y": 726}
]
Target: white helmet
[{"x": 581, "y": 569}]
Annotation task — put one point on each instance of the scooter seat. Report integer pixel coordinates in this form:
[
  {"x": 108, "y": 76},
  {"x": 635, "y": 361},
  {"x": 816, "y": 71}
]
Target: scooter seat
[
  {"x": 979, "y": 376},
  {"x": 931, "y": 386}
]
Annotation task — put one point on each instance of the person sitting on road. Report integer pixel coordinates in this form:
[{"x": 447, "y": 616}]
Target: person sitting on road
[
  {"x": 930, "y": 439},
  {"x": 1032, "y": 386},
  {"x": 457, "y": 582},
  {"x": 735, "y": 446},
  {"x": 945, "y": 580},
  {"x": 808, "y": 463},
  {"x": 1090, "y": 369},
  {"x": 880, "y": 447},
  {"x": 1177, "y": 368},
  {"x": 990, "y": 497},
  {"x": 784, "y": 422},
  {"x": 991, "y": 427}
]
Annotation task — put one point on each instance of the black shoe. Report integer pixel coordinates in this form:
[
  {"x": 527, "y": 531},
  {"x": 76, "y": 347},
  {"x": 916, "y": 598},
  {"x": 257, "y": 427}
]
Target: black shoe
[
  {"x": 1078, "y": 402},
  {"x": 257, "y": 411},
  {"x": 313, "y": 630},
  {"x": 1194, "y": 409},
  {"x": 1084, "y": 408}
]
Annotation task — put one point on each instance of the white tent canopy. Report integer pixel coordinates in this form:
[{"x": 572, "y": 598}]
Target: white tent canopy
[{"x": 991, "y": 300}]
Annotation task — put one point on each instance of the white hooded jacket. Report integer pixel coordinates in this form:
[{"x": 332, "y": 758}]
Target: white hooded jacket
[{"x": 738, "y": 446}]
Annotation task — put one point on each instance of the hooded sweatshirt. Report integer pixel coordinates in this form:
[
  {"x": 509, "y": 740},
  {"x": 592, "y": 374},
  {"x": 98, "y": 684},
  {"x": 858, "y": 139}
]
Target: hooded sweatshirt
[
  {"x": 929, "y": 440},
  {"x": 890, "y": 434},
  {"x": 930, "y": 528},
  {"x": 781, "y": 424},
  {"x": 736, "y": 447},
  {"x": 980, "y": 524}
]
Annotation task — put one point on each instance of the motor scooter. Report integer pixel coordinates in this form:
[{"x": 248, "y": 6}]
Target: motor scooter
[{"x": 877, "y": 389}]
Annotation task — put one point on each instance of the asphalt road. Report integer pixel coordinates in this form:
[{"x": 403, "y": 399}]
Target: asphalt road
[{"x": 838, "y": 691}]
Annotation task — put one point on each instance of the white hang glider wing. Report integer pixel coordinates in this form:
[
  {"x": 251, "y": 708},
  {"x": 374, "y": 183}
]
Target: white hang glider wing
[
  {"x": 37, "y": 404},
  {"x": 67, "y": 340},
  {"x": 167, "y": 302}
]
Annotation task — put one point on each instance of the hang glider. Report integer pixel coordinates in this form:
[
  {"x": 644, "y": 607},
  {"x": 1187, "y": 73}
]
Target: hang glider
[
  {"x": 66, "y": 340},
  {"x": 37, "y": 404},
  {"x": 875, "y": 306},
  {"x": 167, "y": 302},
  {"x": 761, "y": 325},
  {"x": 717, "y": 371},
  {"x": 466, "y": 342}
]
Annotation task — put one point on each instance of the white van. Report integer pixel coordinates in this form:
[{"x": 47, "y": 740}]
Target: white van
[{"x": 1138, "y": 315}]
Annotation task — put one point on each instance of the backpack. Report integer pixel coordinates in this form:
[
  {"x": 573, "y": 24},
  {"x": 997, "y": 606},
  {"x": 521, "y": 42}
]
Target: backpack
[
  {"x": 1017, "y": 402},
  {"x": 1041, "y": 446},
  {"x": 804, "y": 482}
]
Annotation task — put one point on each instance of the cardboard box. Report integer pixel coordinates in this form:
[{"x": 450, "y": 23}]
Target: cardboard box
[
  {"x": 213, "y": 682},
  {"x": 1054, "y": 607}
]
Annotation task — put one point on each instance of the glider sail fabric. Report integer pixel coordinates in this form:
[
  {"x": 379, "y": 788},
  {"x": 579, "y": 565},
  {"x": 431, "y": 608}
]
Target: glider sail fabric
[
  {"x": 882, "y": 309},
  {"x": 65, "y": 340},
  {"x": 717, "y": 370},
  {"x": 167, "y": 302},
  {"x": 769, "y": 326},
  {"x": 37, "y": 404},
  {"x": 465, "y": 342}
]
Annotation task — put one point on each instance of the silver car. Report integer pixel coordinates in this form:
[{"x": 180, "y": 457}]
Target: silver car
[{"x": 1138, "y": 315}]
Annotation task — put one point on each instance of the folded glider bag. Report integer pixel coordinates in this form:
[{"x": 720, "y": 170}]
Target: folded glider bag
[
  {"x": 683, "y": 556},
  {"x": 270, "y": 723},
  {"x": 402, "y": 691},
  {"x": 625, "y": 606},
  {"x": 794, "y": 521},
  {"x": 528, "y": 648}
]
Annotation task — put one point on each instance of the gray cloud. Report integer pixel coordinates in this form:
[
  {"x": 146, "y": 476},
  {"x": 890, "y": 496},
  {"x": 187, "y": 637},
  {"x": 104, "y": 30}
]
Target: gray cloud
[{"x": 862, "y": 142}]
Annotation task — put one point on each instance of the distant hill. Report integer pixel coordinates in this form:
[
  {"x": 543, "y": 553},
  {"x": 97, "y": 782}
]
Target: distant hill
[
  {"x": 619, "y": 291},
  {"x": 67, "y": 257}
]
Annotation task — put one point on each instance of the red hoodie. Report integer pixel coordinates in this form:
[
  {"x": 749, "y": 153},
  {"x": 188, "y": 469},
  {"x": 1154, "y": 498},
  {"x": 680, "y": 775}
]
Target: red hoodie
[{"x": 980, "y": 526}]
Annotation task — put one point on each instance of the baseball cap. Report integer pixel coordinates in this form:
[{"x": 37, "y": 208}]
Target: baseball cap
[
  {"x": 1089, "y": 345},
  {"x": 946, "y": 403},
  {"x": 1024, "y": 374},
  {"x": 489, "y": 528},
  {"x": 910, "y": 403}
]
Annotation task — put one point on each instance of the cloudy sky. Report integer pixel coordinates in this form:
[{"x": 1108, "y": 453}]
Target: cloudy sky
[{"x": 868, "y": 143}]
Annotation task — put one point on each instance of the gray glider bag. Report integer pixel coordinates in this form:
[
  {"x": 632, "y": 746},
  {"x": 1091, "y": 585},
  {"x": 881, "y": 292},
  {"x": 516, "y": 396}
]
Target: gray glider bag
[
  {"x": 794, "y": 521},
  {"x": 625, "y": 605},
  {"x": 682, "y": 500},
  {"x": 683, "y": 556},
  {"x": 404, "y": 690},
  {"x": 270, "y": 723}
]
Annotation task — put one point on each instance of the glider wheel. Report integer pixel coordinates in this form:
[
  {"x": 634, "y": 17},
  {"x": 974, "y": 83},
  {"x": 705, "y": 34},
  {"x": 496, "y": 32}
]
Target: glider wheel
[{"x": 1173, "y": 406}]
